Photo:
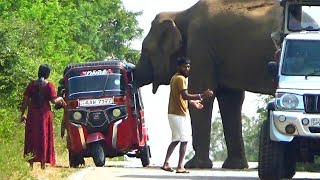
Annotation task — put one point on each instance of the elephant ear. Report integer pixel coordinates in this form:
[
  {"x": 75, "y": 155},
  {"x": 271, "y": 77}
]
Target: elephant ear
[{"x": 170, "y": 37}]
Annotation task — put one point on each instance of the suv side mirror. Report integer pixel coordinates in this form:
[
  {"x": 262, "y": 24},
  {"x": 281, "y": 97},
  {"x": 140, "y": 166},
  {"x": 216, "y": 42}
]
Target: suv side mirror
[{"x": 273, "y": 68}]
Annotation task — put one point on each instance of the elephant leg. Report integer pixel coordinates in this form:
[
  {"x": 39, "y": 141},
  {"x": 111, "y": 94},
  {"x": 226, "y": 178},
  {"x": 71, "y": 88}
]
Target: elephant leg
[
  {"x": 202, "y": 76},
  {"x": 230, "y": 105},
  {"x": 201, "y": 128}
]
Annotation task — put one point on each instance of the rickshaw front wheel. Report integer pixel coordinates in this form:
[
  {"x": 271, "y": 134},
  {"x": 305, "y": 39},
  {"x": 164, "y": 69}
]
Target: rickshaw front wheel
[{"x": 97, "y": 154}]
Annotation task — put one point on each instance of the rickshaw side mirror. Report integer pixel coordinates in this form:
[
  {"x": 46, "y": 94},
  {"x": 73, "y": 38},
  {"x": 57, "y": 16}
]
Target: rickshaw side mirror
[
  {"x": 132, "y": 88},
  {"x": 63, "y": 91}
]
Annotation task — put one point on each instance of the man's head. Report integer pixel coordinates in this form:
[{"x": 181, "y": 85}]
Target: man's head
[
  {"x": 183, "y": 66},
  {"x": 295, "y": 10},
  {"x": 298, "y": 61}
]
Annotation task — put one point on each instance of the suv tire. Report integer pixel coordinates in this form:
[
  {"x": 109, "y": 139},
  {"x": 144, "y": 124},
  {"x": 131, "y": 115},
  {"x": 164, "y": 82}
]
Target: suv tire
[{"x": 271, "y": 155}]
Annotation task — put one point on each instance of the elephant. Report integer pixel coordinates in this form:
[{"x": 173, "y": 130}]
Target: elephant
[{"x": 229, "y": 44}]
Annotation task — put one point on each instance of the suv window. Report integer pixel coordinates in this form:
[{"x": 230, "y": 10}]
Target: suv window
[
  {"x": 301, "y": 57},
  {"x": 303, "y": 17}
]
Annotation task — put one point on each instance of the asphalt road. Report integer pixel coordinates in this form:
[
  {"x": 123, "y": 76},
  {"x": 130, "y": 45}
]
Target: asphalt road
[{"x": 132, "y": 171}]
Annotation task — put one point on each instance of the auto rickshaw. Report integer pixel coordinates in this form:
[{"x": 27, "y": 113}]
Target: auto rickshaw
[{"x": 104, "y": 115}]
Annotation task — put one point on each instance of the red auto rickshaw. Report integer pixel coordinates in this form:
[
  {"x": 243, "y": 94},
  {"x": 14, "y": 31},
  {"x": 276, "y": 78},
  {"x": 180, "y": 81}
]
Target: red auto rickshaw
[{"x": 104, "y": 115}]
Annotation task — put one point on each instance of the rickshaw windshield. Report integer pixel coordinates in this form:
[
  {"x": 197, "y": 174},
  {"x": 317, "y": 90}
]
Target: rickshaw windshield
[{"x": 86, "y": 86}]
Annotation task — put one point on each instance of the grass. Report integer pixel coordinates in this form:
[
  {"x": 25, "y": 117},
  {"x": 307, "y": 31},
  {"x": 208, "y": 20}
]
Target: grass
[
  {"x": 14, "y": 166},
  {"x": 58, "y": 172}
]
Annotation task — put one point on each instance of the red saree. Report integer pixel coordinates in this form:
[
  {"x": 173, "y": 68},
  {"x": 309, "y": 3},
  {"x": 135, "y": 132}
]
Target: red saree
[{"x": 39, "y": 128}]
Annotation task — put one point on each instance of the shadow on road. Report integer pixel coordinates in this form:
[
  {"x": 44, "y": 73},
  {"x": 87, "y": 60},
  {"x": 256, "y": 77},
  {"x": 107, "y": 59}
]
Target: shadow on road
[{"x": 187, "y": 177}]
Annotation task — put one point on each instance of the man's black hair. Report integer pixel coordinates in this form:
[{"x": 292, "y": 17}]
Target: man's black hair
[
  {"x": 183, "y": 60},
  {"x": 295, "y": 9}
]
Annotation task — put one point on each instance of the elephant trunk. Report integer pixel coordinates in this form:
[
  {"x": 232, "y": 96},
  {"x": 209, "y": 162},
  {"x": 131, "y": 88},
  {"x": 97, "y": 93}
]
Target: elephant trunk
[{"x": 143, "y": 73}]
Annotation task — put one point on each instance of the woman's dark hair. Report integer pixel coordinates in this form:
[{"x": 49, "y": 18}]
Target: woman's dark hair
[
  {"x": 43, "y": 73},
  {"x": 183, "y": 60}
]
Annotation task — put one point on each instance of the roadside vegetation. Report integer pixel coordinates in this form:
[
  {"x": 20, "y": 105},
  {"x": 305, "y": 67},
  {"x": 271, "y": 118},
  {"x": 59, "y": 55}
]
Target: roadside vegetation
[{"x": 55, "y": 32}]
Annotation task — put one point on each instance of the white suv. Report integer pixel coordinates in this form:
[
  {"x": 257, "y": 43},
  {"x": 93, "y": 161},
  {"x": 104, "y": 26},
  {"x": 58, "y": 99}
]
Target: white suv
[{"x": 292, "y": 131}]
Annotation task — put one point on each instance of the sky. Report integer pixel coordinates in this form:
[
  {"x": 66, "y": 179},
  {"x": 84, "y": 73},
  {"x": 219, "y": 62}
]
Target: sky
[{"x": 156, "y": 104}]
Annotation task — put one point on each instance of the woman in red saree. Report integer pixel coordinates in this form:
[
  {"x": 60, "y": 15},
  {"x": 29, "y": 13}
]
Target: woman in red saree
[{"x": 39, "y": 128}]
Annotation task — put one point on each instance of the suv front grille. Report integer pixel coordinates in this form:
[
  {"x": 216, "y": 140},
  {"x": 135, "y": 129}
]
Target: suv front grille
[{"x": 311, "y": 103}]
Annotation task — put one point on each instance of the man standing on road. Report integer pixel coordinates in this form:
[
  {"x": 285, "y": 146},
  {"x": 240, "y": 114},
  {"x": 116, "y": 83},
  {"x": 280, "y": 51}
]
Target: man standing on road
[{"x": 177, "y": 112}]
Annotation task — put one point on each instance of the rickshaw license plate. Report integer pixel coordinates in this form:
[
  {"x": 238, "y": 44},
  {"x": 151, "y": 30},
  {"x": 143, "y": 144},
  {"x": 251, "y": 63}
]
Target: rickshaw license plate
[{"x": 95, "y": 102}]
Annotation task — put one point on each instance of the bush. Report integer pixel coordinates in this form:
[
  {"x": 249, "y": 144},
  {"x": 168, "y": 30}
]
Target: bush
[{"x": 13, "y": 165}]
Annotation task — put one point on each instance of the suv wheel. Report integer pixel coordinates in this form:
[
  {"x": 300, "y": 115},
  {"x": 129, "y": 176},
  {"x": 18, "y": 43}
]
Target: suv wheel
[
  {"x": 289, "y": 162},
  {"x": 271, "y": 155}
]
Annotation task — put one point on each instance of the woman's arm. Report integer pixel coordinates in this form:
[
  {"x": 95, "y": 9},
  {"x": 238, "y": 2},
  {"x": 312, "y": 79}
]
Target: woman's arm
[
  {"x": 24, "y": 105},
  {"x": 59, "y": 100}
]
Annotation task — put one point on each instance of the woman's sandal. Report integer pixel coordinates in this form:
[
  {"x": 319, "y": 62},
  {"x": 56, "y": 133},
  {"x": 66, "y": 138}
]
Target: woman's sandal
[{"x": 169, "y": 169}]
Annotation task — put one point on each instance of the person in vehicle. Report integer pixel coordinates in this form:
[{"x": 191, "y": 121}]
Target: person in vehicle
[
  {"x": 295, "y": 64},
  {"x": 295, "y": 12},
  {"x": 177, "y": 112},
  {"x": 39, "y": 128}
]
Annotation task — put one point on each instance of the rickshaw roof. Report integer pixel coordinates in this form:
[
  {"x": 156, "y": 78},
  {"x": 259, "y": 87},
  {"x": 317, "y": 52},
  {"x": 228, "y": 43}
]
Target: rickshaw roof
[{"x": 112, "y": 63}]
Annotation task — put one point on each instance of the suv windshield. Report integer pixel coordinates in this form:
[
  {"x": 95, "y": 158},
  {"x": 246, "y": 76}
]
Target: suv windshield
[
  {"x": 301, "y": 58},
  {"x": 303, "y": 17},
  {"x": 95, "y": 83}
]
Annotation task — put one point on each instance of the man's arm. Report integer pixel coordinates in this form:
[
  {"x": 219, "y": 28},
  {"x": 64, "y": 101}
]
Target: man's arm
[{"x": 186, "y": 96}]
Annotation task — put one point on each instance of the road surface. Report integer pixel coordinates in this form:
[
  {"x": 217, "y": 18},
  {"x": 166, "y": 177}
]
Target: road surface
[{"x": 134, "y": 171}]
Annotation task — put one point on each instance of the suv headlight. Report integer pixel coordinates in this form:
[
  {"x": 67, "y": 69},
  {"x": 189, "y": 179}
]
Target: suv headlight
[{"x": 289, "y": 101}]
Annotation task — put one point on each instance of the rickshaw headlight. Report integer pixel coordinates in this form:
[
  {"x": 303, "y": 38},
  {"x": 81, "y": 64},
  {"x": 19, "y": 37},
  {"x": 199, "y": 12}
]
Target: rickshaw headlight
[
  {"x": 116, "y": 112},
  {"x": 77, "y": 115}
]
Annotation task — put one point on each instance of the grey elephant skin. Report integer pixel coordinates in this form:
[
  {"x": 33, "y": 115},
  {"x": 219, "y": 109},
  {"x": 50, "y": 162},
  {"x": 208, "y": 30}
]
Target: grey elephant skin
[{"x": 229, "y": 45}]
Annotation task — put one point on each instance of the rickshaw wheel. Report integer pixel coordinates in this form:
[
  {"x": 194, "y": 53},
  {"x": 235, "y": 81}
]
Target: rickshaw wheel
[
  {"x": 97, "y": 154},
  {"x": 75, "y": 161},
  {"x": 145, "y": 155}
]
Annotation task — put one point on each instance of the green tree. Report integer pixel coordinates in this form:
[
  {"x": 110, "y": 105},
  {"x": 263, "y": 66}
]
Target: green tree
[
  {"x": 218, "y": 148},
  {"x": 250, "y": 131}
]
